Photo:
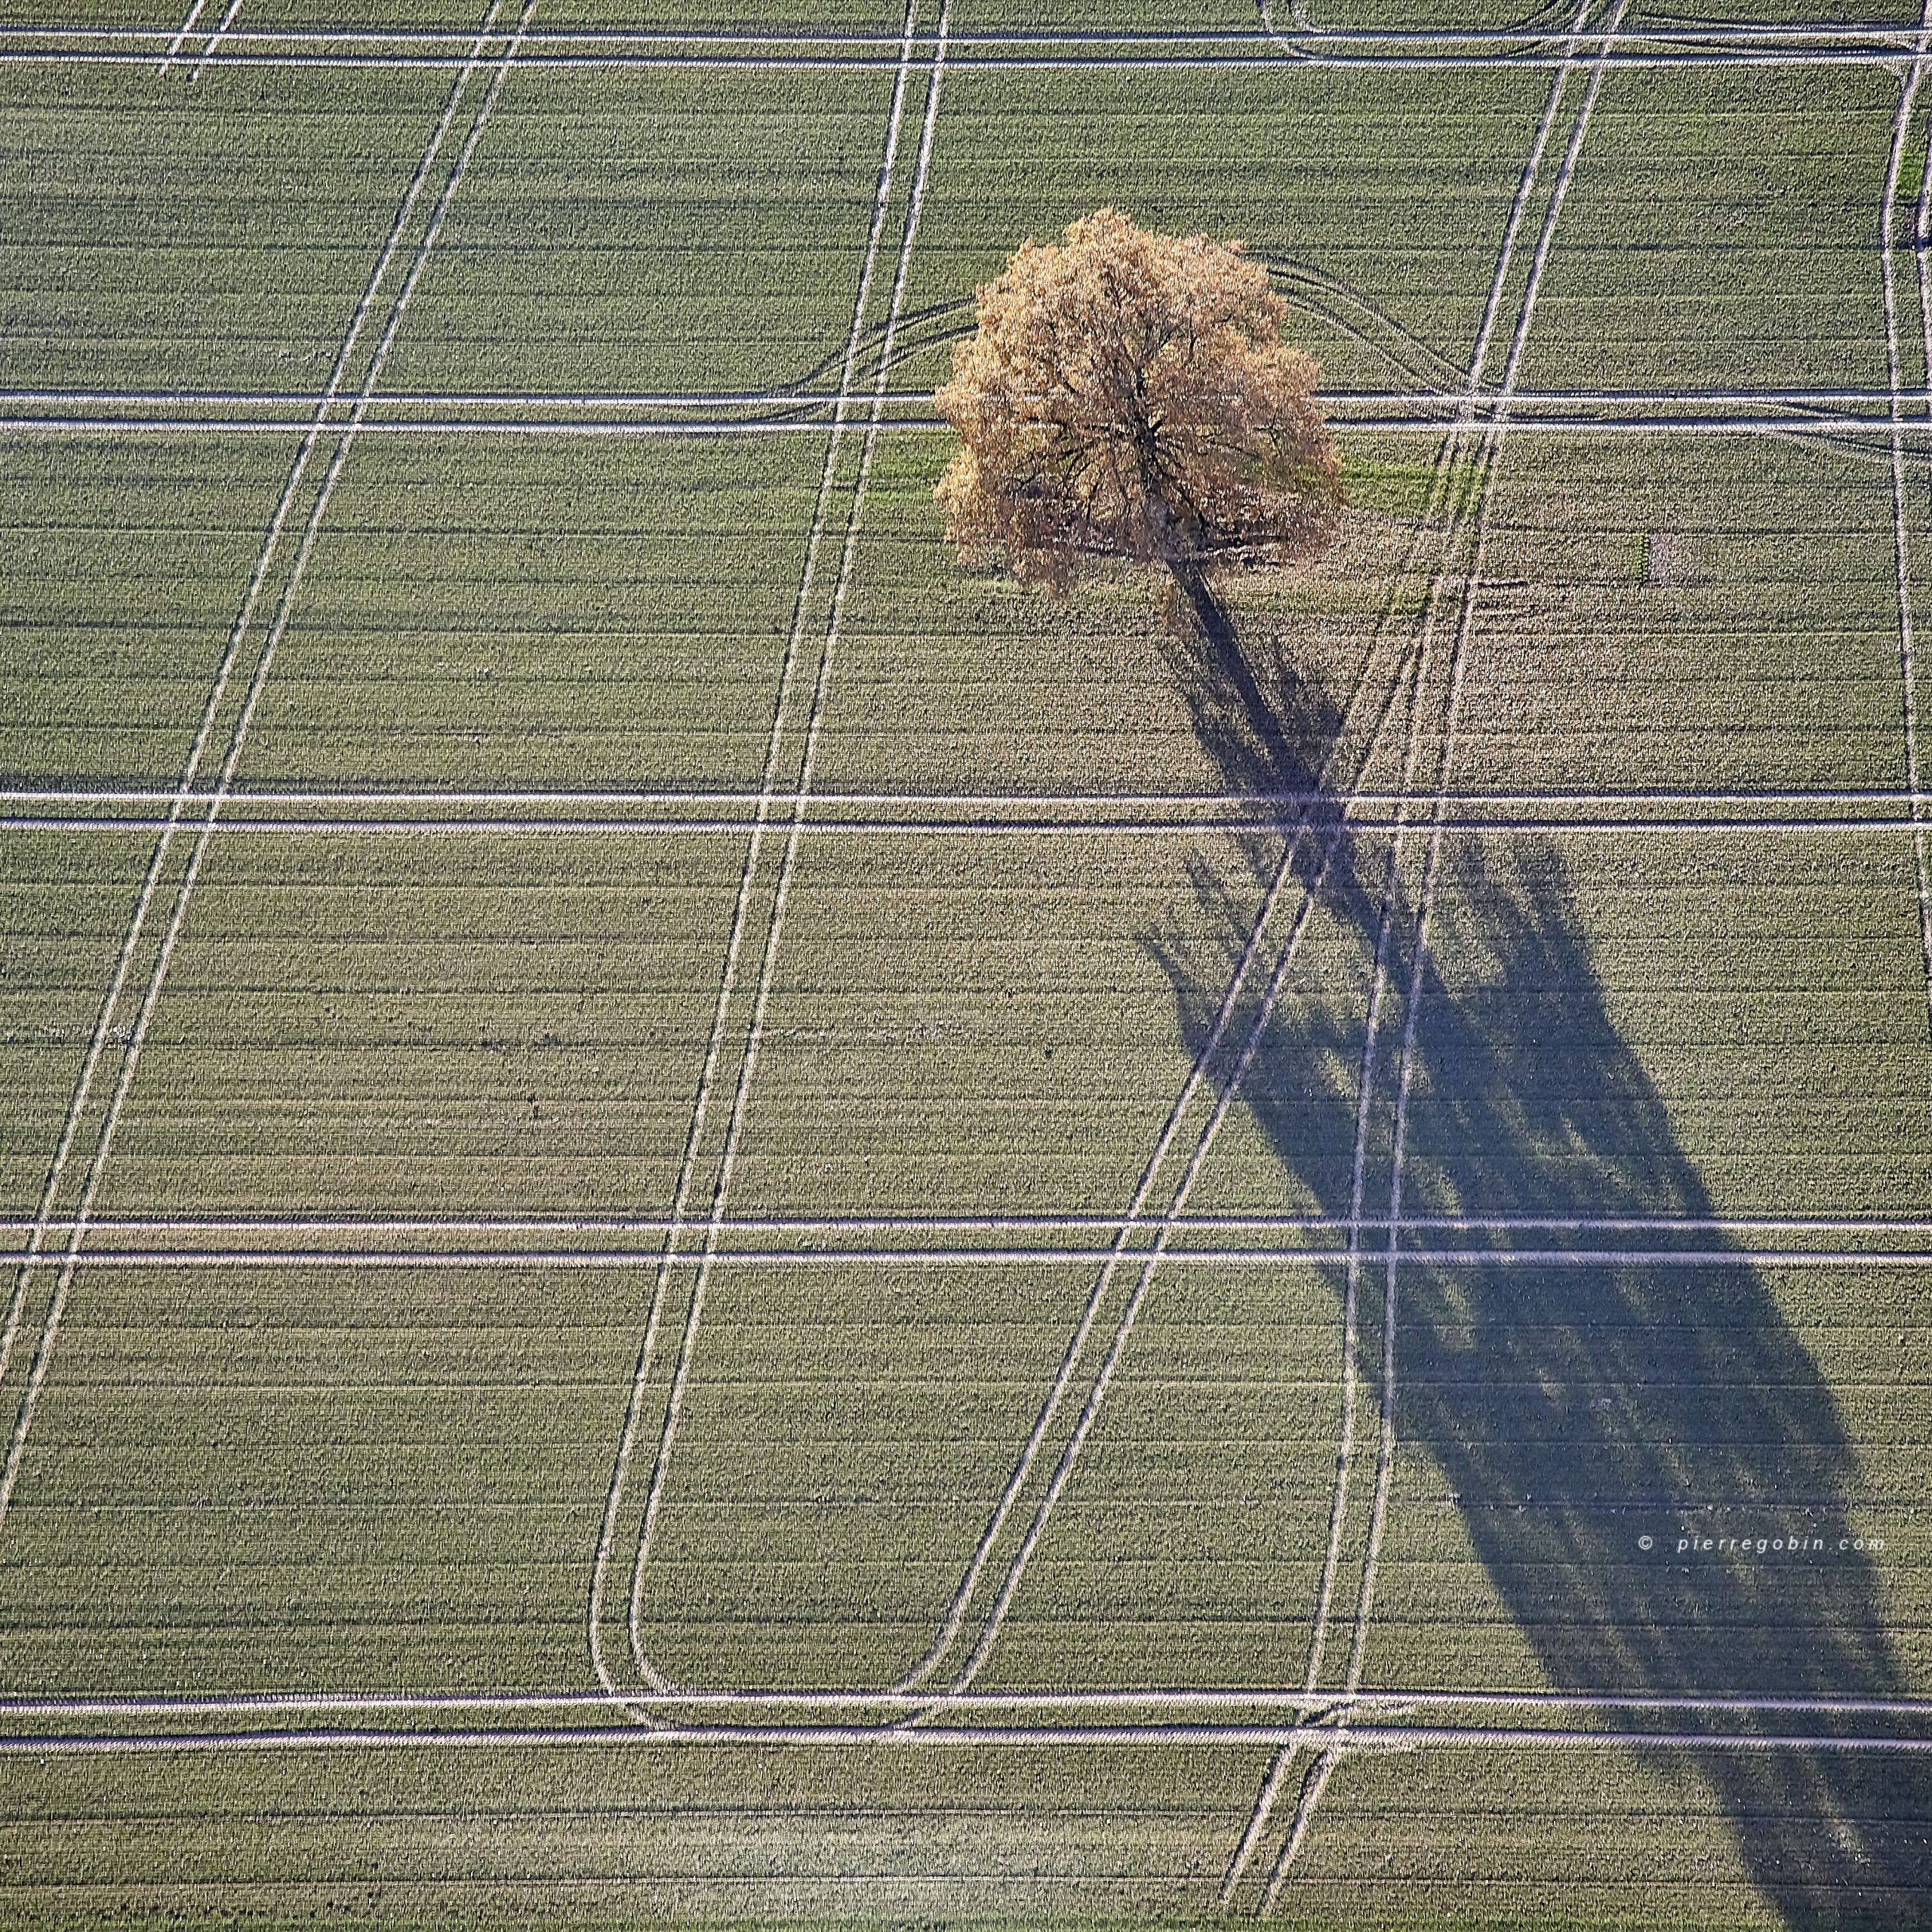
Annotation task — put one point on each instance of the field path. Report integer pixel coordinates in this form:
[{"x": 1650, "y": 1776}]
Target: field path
[
  {"x": 798, "y": 800},
  {"x": 130, "y": 1033},
  {"x": 1467, "y": 592}
]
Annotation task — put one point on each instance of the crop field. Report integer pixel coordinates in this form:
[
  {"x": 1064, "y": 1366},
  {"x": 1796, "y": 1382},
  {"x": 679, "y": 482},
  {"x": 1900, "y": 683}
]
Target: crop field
[{"x": 707, "y": 1222}]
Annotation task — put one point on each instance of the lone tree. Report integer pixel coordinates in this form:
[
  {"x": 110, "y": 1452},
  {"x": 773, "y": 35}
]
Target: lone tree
[{"x": 1129, "y": 395}]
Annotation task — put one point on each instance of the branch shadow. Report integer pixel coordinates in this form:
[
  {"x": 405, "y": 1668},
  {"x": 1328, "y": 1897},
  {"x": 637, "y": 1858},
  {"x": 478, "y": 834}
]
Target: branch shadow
[{"x": 1572, "y": 1409}]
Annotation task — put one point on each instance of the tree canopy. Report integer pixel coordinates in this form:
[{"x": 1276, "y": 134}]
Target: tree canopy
[{"x": 1128, "y": 394}]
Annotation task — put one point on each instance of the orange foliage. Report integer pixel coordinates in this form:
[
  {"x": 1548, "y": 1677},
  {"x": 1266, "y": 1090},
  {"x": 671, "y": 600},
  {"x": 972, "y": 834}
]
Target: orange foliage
[{"x": 1129, "y": 395}]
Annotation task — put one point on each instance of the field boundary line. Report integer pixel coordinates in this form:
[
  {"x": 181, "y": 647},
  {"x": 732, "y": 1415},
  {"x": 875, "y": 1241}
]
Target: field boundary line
[
  {"x": 9, "y": 1474},
  {"x": 321, "y": 1225},
  {"x": 975, "y": 802},
  {"x": 774, "y": 931},
  {"x": 614, "y": 1496},
  {"x": 1389, "y": 1704},
  {"x": 909, "y": 828},
  {"x": 535, "y": 1259}
]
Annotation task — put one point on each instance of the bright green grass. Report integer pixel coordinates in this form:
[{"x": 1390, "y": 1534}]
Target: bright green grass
[
  {"x": 456, "y": 1021},
  {"x": 215, "y": 237}
]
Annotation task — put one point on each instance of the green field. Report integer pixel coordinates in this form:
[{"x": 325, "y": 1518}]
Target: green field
[{"x": 708, "y": 1223}]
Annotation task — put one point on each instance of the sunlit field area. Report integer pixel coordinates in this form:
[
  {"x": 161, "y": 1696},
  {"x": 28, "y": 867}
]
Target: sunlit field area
[{"x": 708, "y": 1221}]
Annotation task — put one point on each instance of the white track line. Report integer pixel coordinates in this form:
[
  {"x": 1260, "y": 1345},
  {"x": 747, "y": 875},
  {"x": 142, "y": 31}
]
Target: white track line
[
  {"x": 748, "y": 1066},
  {"x": 1890, "y": 39},
  {"x": 1901, "y": 136},
  {"x": 1843, "y": 436},
  {"x": 43, "y": 1354},
  {"x": 768, "y": 799},
  {"x": 1272, "y": 1784},
  {"x": 1223, "y": 1737},
  {"x": 1493, "y": 434},
  {"x": 538, "y": 1259},
  {"x": 1453, "y": 402},
  {"x": 242, "y": 797},
  {"x": 1344, "y": 1226},
  {"x": 182, "y": 32},
  {"x": 926, "y": 828},
  {"x": 1389, "y": 1704},
  {"x": 214, "y": 39},
  {"x": 1191, "y": 1086}
]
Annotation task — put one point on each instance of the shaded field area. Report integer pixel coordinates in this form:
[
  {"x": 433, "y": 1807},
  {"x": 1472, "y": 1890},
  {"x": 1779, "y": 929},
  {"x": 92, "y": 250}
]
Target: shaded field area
[{"x": 707, "y": 1221}]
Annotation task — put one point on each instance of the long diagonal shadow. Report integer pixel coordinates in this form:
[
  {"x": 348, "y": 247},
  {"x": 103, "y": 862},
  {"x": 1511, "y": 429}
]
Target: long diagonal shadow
[{"x": 1573, "y": 1408}]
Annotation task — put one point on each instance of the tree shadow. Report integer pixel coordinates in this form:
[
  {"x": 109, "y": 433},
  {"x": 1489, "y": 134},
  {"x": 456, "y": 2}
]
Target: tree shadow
[{"x": 1574, "y": 1409}]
